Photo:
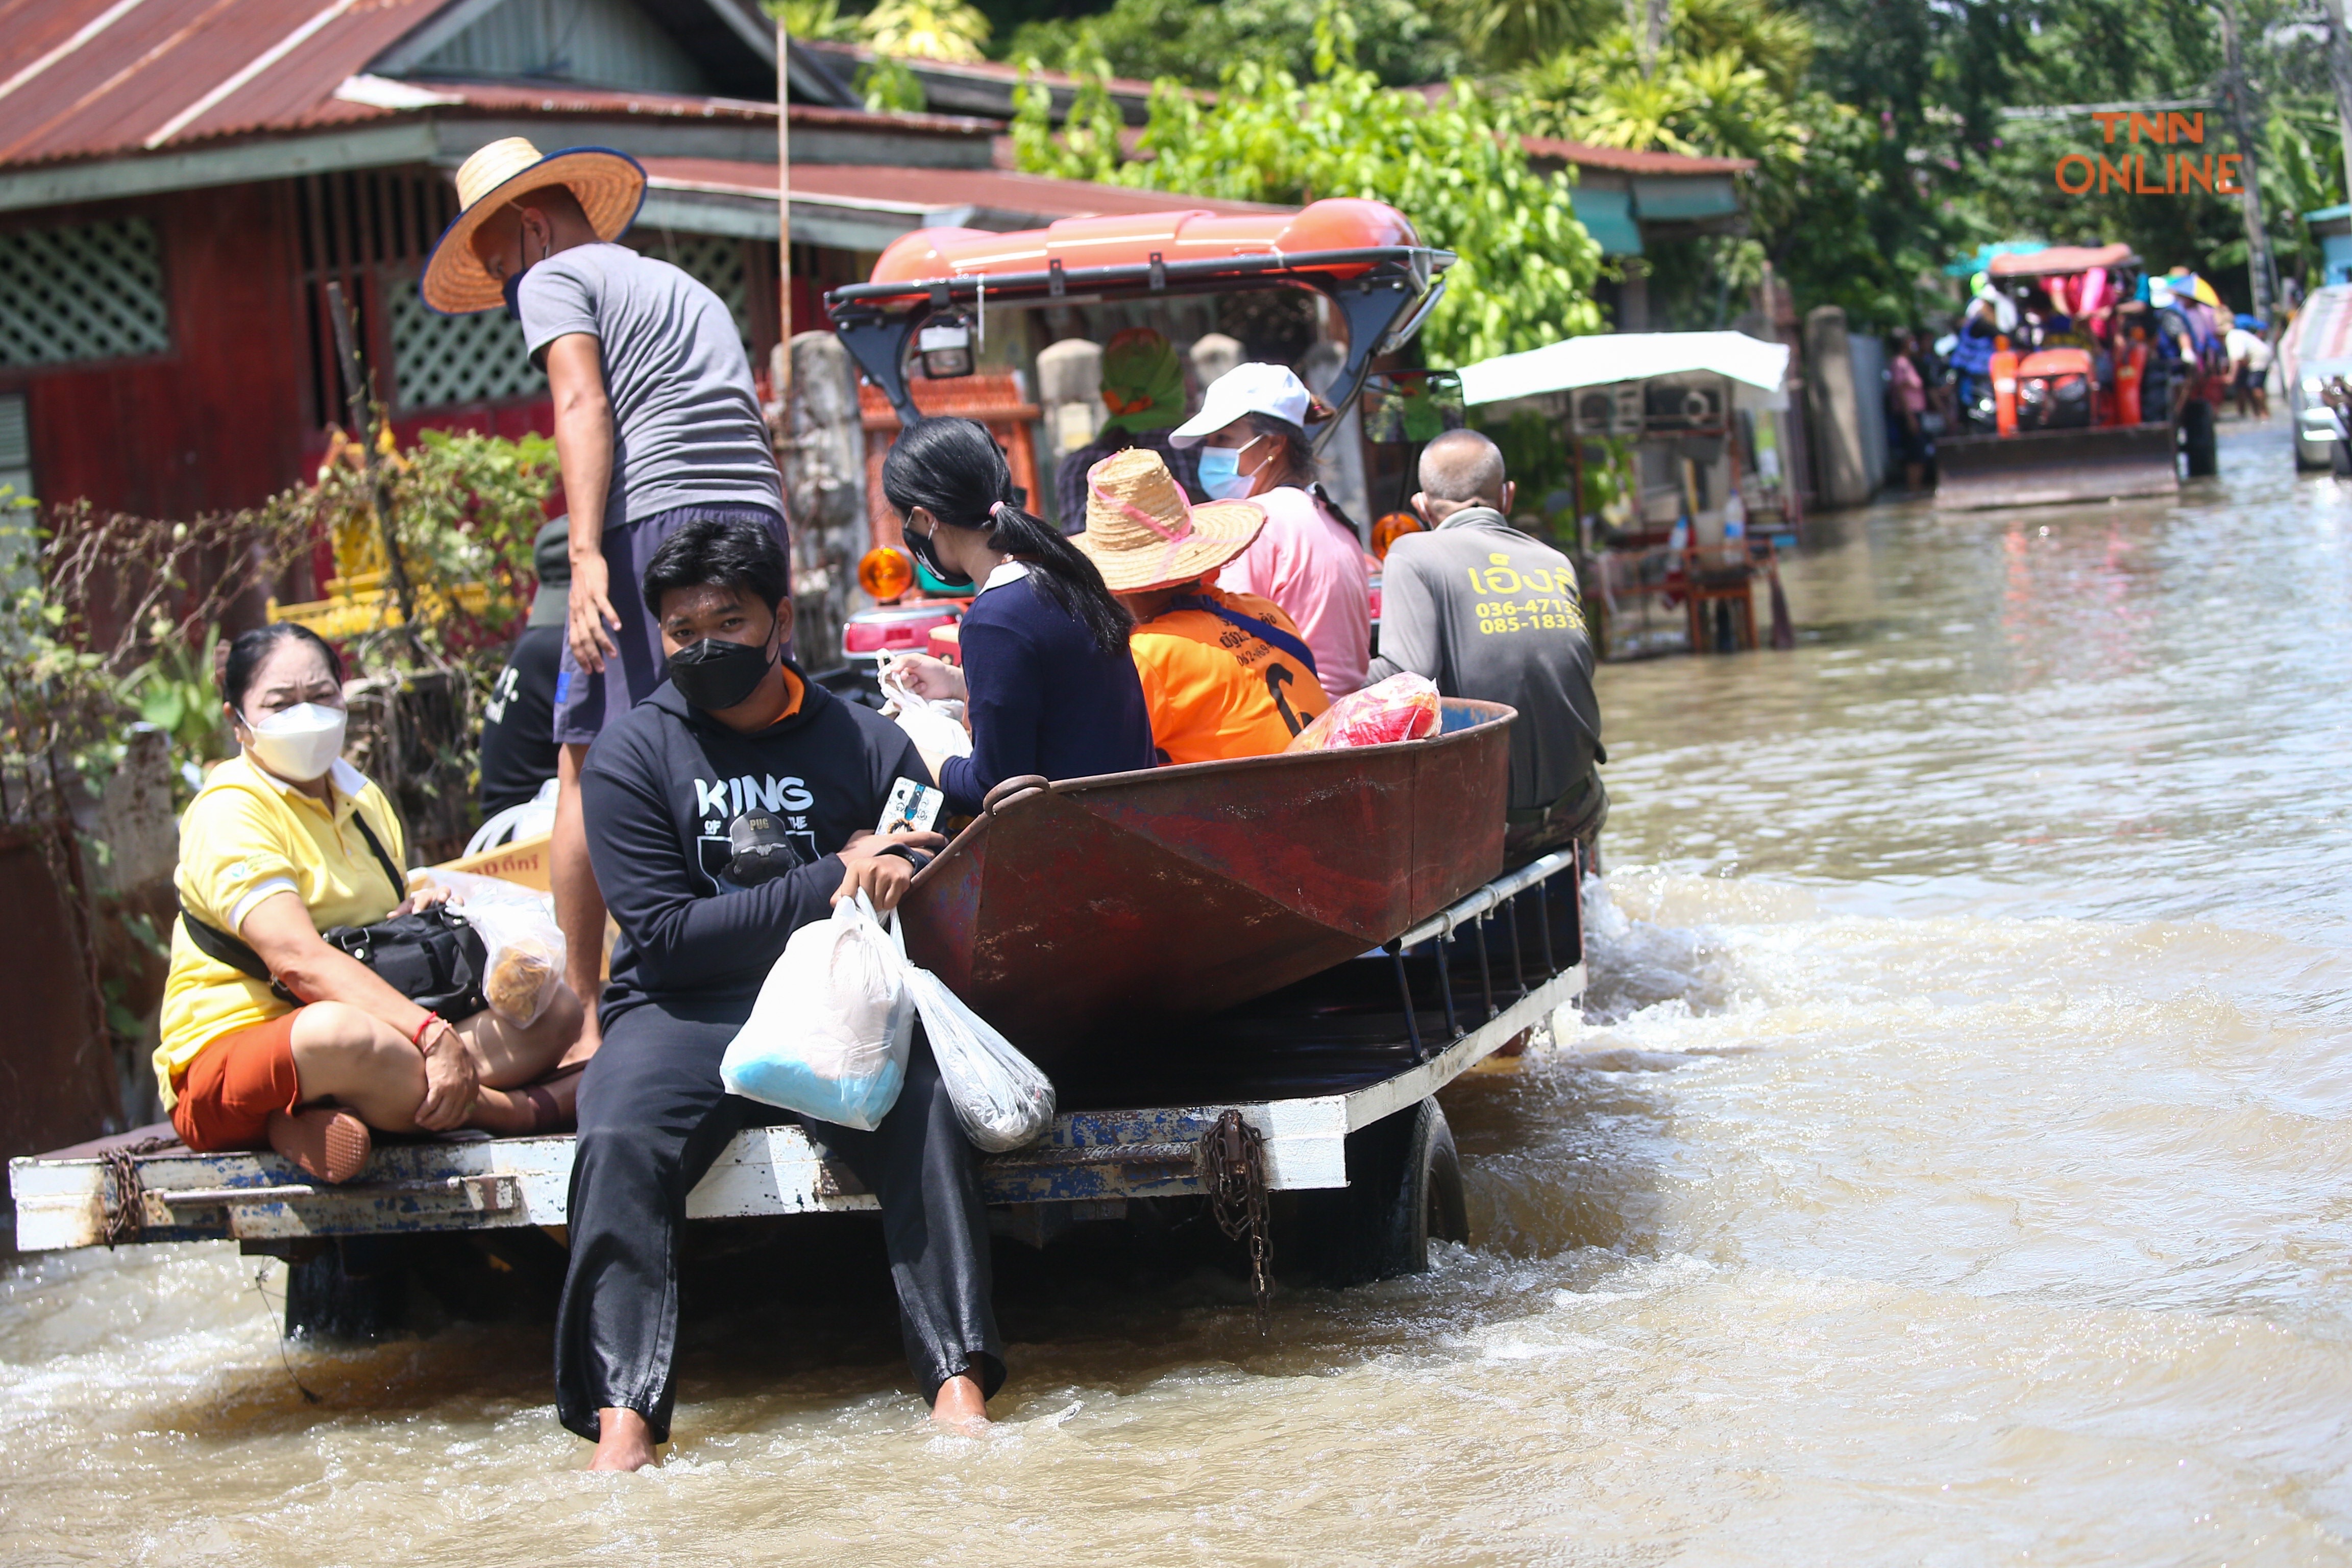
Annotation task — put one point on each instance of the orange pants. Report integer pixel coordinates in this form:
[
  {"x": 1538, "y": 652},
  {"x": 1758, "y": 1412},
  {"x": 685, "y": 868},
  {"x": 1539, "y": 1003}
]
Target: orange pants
[{"x": 227, "y": 1093}]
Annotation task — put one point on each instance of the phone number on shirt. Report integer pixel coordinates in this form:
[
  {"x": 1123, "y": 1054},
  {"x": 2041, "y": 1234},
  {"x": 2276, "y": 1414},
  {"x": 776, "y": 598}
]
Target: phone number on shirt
[{"x": 1531, "y": 614}]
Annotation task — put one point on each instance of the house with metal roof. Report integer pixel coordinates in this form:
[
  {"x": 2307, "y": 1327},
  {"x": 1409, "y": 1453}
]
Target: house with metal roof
[
  {"x": 181, "y": 180},
  {"x": 1631, "y": 200}
]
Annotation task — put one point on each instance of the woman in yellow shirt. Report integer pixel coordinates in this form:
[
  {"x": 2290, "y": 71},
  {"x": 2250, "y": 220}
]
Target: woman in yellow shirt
[
  {"x": 284, "y": 840},
  {"x": 1224, "y": 674}
]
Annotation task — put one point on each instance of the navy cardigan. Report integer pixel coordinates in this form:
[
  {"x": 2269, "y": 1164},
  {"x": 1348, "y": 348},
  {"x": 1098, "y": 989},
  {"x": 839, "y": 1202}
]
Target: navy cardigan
[{"x": 1042, "y": 698}]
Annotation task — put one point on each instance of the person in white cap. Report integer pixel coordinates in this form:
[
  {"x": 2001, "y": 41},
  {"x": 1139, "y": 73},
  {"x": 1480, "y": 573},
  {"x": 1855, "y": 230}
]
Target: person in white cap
[
  {"x": 1252, "y": 435},
  {"x": 657, "y": 424}
]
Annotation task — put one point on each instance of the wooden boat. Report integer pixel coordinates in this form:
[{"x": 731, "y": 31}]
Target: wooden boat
[{"x": 1180, "y": 891}]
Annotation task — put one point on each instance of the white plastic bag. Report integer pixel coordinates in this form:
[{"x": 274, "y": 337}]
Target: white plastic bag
[
  {"x": 526, "y": 950},
  {"x": 828, "y": 1036},
  {"x": 936, "y": 728},
  {"x": 999, "y": 1095}
]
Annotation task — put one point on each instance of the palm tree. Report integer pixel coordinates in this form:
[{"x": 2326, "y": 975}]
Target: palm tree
[{"x": 926, "y": 29}]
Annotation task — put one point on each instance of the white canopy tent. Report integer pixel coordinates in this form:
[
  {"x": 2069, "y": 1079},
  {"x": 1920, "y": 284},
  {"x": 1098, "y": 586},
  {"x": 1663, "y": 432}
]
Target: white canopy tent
[{"x": 1759, "y": 369}]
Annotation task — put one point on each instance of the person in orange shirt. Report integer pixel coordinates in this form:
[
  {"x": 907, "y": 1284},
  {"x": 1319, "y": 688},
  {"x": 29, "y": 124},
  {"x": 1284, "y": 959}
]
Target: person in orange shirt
[{"x": 1224, "y": 674}]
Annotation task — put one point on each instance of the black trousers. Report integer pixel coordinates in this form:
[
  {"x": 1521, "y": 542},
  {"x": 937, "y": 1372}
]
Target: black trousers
[
  {"x": 653, "y": 1118},
  {"x": 1577, "y": 816}
]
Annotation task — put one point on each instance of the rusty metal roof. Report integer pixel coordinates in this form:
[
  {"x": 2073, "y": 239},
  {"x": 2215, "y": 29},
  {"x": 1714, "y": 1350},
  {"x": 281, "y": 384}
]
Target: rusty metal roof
[
  {"x": 1031, "y": 196},
  {"x": 84, "y": 78},
  {"x": 1625, "y": 161}
]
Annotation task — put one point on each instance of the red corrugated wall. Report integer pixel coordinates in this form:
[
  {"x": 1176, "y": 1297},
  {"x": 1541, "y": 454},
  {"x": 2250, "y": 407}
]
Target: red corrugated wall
[{"x": 218, "y": 421}]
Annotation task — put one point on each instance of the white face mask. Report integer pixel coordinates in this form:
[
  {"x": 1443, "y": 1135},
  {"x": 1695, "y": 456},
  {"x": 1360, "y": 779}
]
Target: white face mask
[{"x": 299, "y": 744}]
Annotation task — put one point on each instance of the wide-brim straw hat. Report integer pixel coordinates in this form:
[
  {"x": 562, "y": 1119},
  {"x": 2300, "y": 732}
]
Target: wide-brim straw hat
[
  {"x": 1142, "y": 534},
  {"x": 610, "y": 186}
]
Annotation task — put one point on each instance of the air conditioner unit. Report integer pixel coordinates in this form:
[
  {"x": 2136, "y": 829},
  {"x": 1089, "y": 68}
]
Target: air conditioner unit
[
  {"x": 1609, "y": 410},
  {"x": 1671, "y": 408}
]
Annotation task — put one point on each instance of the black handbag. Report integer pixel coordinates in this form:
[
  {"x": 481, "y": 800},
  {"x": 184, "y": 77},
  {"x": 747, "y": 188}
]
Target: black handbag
[{"x": 433, "y": 957}]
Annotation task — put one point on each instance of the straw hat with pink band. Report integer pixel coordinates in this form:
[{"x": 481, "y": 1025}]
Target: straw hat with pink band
[{"x": 1142, "y": 534}]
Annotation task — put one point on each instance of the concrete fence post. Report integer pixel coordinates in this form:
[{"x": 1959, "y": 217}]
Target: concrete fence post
[{"x": 824, "y": 492}]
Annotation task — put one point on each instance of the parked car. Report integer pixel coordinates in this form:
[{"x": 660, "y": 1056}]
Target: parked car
[{"x": 2315, "y": 348}]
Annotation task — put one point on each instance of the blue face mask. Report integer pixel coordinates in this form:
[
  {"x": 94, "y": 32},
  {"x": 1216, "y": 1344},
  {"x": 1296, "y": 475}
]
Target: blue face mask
[
  {"x": 512, "y": 288},
  {"x": 1221, "y": 473}
]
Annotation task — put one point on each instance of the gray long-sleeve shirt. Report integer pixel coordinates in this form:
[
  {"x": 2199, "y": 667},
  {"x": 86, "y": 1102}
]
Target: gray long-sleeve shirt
[{"x": 1488, "y": 612}]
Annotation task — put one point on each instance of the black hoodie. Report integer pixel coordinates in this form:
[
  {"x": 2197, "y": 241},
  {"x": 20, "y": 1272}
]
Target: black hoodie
[{"x": 659, "y": 788}]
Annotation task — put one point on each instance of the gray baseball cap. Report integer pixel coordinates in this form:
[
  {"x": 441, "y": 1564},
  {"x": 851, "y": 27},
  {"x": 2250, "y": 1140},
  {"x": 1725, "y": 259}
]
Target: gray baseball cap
[{"x": 550, "y": 555}]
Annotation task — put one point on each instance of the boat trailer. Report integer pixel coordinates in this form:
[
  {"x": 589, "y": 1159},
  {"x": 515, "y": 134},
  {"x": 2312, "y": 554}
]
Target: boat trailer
[{"x": 1317, "y": 1070}]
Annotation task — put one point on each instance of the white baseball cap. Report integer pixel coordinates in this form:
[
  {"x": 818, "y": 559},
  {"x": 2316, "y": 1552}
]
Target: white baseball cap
[{"x": 1245, "y": 389}]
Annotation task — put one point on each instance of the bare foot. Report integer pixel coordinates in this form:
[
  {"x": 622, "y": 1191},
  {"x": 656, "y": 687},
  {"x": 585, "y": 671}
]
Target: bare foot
[
  {"x": 960, "y": 1404},
  {"x": 550, "y": 1105},
  {"x": 624, "y": 1443},
  {"x": 591, "y": 1036}
]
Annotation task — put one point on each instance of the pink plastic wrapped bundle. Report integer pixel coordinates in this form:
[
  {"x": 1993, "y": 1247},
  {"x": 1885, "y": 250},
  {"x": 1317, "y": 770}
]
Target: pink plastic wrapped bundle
[{"x": 1402, "y": 708}]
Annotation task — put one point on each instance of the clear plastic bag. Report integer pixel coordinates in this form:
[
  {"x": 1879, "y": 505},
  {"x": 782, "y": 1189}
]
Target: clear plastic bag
[
  {"x": 829, "y": 1034},
  {"x": 936, "y": 728},
  {"x": 1402, "y": 708},
  {"x": 525, "y": 950},
  {"x": 999, "y": 1095}
]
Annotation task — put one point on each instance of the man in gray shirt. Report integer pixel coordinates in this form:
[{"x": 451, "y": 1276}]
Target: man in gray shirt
[
  {"x": 1488, "y": 612},
  {"x": 657, "y": 423}
]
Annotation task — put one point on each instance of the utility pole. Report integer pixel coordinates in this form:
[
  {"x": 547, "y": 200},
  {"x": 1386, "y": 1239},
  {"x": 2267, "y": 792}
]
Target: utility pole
[
  {"x": 1647, "y": 21},
  {"x": 782, "y": 375},
  {"x": 2262, "y": 276},
  {"x": 2339, "y": 68}
]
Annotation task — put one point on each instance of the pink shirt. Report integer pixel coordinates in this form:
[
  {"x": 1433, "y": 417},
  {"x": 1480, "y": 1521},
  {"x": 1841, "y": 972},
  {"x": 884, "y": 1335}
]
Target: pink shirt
[
  {"x": 1314, "y": 568},
  {"x": 1909, "y": 390}
]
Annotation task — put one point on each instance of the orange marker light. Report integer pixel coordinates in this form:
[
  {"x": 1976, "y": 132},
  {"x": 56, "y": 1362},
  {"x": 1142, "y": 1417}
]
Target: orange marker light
[
  {"x": 886, "y": 572},
  {"x": 1391, "y": 529}
]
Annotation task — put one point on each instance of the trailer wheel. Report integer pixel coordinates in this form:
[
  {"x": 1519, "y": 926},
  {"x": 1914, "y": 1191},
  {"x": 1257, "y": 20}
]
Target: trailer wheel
[
  {"x": 2196, "y": 439},
  {"x": 1404, "y": 1191},
  {"x": 353, "y": 1293}
]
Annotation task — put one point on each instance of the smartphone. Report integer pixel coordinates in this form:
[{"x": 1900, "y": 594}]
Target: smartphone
[{"x": 911, "y": 804}]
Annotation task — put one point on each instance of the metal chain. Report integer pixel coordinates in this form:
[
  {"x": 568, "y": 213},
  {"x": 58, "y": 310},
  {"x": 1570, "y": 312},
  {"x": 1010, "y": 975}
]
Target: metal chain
[
  {"x": 128, "y": 1219},
  {"x": 1230, "y": 1162}
]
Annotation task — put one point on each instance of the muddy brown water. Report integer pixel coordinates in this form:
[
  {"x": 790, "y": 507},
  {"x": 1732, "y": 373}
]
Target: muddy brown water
[{"x": 1951, "y": 1166}]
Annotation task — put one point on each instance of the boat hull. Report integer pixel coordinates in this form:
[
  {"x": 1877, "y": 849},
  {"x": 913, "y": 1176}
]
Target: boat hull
[{"x": 1184, "y": 890}]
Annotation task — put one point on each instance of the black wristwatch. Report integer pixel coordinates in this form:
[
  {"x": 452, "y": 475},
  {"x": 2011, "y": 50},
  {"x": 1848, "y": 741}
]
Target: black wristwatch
[{"x": 916, "y": 857}]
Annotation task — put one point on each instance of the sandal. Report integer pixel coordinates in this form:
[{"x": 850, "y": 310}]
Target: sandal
[{"x": 323, "y": 1141}]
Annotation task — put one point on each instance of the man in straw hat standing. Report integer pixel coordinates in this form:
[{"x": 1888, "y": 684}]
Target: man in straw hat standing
[
  {"x": 657, "y": 424},
  {"x": 1224, "y": 674}
]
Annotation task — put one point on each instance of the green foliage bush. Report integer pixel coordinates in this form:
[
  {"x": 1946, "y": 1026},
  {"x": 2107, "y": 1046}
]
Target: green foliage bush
[
  {"x": 1397, "y": 40},
  {"x": 1453, "y": 166}
]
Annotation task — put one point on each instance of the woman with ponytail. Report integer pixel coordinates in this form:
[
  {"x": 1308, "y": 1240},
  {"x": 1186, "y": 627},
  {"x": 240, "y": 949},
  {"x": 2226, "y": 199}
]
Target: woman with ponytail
[{"x": 1048, "y": 681}]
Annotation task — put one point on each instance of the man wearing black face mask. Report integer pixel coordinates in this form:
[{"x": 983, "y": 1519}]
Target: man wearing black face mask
[
  {"x": 726, "y": 810},
  {"x": 656, "y": 421}
]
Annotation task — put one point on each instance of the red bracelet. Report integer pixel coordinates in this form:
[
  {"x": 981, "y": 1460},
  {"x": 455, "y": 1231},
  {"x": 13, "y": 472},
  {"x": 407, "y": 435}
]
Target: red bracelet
[{"x": 417, "y": 1039}]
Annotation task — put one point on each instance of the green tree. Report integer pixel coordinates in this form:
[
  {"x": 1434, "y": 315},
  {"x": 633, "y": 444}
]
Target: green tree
[
  {"x": 1194, "y": 43},
  {"x": 1453, "y": 166},
  {"x": 1499, "y": 34},
  {"x": 925, "y": 30}
]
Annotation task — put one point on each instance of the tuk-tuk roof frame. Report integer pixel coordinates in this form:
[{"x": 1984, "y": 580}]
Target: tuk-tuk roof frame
[{"x": 1377, "y": 288}]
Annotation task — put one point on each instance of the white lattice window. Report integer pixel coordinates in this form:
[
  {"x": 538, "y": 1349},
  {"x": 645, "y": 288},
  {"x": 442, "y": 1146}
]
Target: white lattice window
[
  {"x": 16, "y": 453},
  {"x": 91, "y": 292},
  {"x": 711, "y": 260},
  {"x": 442, "y": 361}
]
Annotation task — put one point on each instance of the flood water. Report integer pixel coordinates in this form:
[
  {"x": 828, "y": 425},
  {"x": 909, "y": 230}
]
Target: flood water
[{"x": 1953, "y": 1164}]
